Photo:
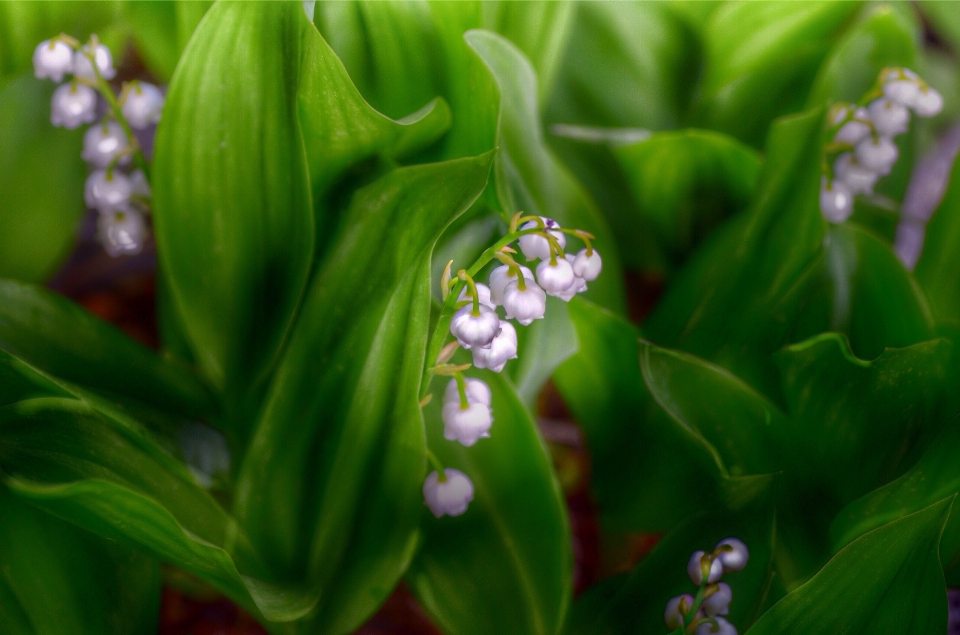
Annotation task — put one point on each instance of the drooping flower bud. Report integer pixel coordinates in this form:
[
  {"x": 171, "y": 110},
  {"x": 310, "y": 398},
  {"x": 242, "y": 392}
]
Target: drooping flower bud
[
  {"x": 889, "y": 117},
  {"x": 104, "y": 142},
  {"x": 53, "y": 59},
  {"x": 466, "y": 425},
  {"x": 501, "y": 277},
  {"x": 676, "y": 610},
  {"x": 719, "y": 601},
  {"x": 733, "y": 554},
  {"x": 928, "y": 102},
  {"x": 854, "y": 130},
  {"x": 859, "y": 179},
  {"x": 877, "y": 154},
  {"x": 450, "y": 496},
  {"x": 901, "y": 86},
  {"x": 535, "y": 246},
  {"x": 483, "y": 291},
  {"x": 121, "y": 232},
  {"x": 695, "y": 568},
  {"x": 142, "y": 104},
  {"x": 83, "y": 68},
  {"x": 525, "y": 305},
  {"x": 723, "y": 627},
  {"x": 555, "y": 278},
  {"x": 836, "y": 200},
  {"x": 73, "y": 104},
  {"x": 503, "y": 348},
  {"x": 587, "y": 266},
  {"x": 474, "y": 330},
  {"x": 476, "y": 390},
  {"x": 107, "y": 193}
]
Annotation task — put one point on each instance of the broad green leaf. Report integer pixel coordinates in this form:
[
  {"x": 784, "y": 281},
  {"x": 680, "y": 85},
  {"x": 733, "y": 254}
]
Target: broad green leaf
[
  {"x": 58, "y": 337},
  {"x": 714, "y": 404},
  {"x": 933, "y": 478},
  {"x": 684, "y": 183},
  {"x": 887, "y": 581},
  {"x": 58, "y": 578},
  {"x": 938, "y": 269},
  {"x": 112, "y": 480},
  {"x": 41, "y": 177},
  {"x": 23, "y": 25},
  {"x": 232, "y": 210},
  {"x": 627, "y": 65},
  {"x": 768, "y": 69},
  {"x": 330, "y": 487},
  {"x": 162, "y": 28},
  {"x": 634, "y": 602},
  {"x": 648, "y": 472},
  {"x": 884, "y": 36},
  {"x": 504, "y": 566},
  {"x": 942, "y": 20}
]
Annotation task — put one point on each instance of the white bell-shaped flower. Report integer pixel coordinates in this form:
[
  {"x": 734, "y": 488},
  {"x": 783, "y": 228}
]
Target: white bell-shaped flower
[
  {"x": 587, "y": 266},
  {"x": 53, "y": 59},
  {"x": 889, "y": 117},
  {"x": 466, "y": 425},
  {"x": 676, "y": 610},
  {"x": 902, "y": 86},
  {"x": 877, "y": 154},
  {"x": 474, "y": 330},
  {"x": 503, "y": 348},
  {"x": 928, "y": 102},
  {"x": 579, "y": 285},
  {"x": 107, "y": 193},
  {"x": 836, "y": 200},
  {"x": 121, "y": 232},
  {"x": 83, "y": 68},
  {"x": 525, "y": 305},
  {"x": 733, "y": 554},
  {"x": 719, "y": 602},
  {"x": 483, "y": 291},
  {"x": 477, "y": 391},
  {"x": 142, "y": 105},
  {"x": 102, "y": 143},
  {"x": 139, "y": 185},
  {"x": 555, "y": 277},
  {"x": 854, "y": 130},
  {"x": 501, "y": 277},
  {"x": 535, "y": 246},
  {"x": 722, "y": 627},
  {"x": 73, "y": 104},
  {"x": 859, "y": 179},
  {"x": 695, "y": 571},
  {"x": 450, "y": 496}
]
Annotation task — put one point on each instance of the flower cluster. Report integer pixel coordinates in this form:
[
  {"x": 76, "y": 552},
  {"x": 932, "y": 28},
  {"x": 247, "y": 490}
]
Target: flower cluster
[
  {"x": 121, "y": 198},
  {"x": 702, "y": 614},
  {"x": 862, "y": 148},
  {"x": 491, "y": 339}
]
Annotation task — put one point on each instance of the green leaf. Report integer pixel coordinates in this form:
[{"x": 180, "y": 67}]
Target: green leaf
[
  {"x": 884, "y": 36},
  {"x": 504, "y": 566},
  {"x": 684, "y": 183},
  {"x": 933, "y": 478},
  {"x": 162, "y": 28},
  {"x": 330, "y": 487},
  {"x": 634, "y": 602},
  {"x": 41, "y": 177},
  {"x": 943, "y": 21},
  {"x": 938, "y": 269},
  {"x": 58, "y": 337},
  {"x": 750, "y": 80},
  {"x": 112, "y": 480},
  {"x": 232, "y": 212},
  {"x": 888, "y": 580}
]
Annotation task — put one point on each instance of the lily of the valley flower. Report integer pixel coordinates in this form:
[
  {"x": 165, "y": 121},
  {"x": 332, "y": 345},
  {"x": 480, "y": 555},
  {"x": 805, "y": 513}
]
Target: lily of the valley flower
[
  {"x": 122, "y": 232},
  {"x": 721, "y": 627},
  {"x": 104, "y": 143},
  {"x": 877, "y": 154},
  {"x": 732, "y": 554},
  {"x": 483, "y": 293},
  {"x": 73, "y": 104},
  {"x": 587, "y": 264},
  {"x": 476, "y": 389},
  {"x": 449, "y": 496},
  {"x": 701, "y": 564},
  {"x": 555, "y": 276},
  {"x": 107, "y": 192},
  {"x": 142, "y": 104},
  {"x": 526, "y": 304},
  {"x": 889, "y": 117},
  {"x": 503, "y": 348},
  {"x": 501, "y": 277},
  {"x": 836, "y": 200},
  {"x": 52, "y": 58},
  {"x": 534, "y": 246},
  {"x": 83, "y": 68},
  {"x": 475, "y": 328},
  {"x": 858, "y": 179},
  {"x": 467, "y": 421},
  {"x": 676, "y": 610},
  {"x": 718, "y": 603}
]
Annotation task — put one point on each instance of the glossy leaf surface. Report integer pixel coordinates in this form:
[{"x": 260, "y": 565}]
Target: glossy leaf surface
[
  {"x": 330, "y": 487},
  {"x": 505, "y": 564}
]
